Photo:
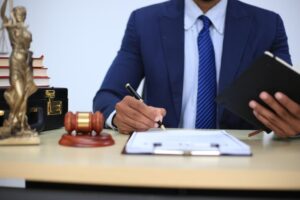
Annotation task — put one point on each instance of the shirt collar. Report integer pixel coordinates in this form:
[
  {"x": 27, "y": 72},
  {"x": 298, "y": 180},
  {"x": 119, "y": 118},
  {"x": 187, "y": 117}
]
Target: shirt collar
[{"x": 215, "y": 14}]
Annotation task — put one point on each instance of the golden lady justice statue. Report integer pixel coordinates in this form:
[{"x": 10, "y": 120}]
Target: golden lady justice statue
[{"x": 21, "y": 81}]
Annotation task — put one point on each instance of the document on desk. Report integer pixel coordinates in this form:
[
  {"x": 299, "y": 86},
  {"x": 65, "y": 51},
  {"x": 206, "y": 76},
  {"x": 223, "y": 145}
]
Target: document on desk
[{"x": 186, "y": 142}]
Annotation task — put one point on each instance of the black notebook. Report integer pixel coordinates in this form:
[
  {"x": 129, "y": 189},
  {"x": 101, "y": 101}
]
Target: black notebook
[{"x": 268, "y": 73}]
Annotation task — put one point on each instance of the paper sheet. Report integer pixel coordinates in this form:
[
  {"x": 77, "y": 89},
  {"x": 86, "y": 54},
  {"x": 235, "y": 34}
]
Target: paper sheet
[{"x": 183, "y": 142}]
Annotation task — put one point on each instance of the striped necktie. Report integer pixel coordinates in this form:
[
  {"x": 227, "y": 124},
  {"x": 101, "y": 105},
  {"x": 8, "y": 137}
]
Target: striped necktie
[{"x": 207, "y": 86}]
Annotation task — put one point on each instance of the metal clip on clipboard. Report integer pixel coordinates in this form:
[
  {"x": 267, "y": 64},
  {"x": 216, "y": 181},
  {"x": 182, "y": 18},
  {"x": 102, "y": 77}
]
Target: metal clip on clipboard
[{"x": 208, "y": 150}]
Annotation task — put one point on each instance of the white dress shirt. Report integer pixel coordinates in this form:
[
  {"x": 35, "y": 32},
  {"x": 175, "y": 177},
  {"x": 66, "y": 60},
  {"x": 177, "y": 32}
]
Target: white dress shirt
[{"x": 192, "y": 28}]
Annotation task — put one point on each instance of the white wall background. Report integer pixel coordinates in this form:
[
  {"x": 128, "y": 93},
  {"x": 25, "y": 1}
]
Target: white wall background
[{"x": 81, "y": 38}]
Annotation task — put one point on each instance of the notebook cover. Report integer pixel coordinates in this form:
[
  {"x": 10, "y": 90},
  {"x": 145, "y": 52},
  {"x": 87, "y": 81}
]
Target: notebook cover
[{"x": 266, "y": 74}]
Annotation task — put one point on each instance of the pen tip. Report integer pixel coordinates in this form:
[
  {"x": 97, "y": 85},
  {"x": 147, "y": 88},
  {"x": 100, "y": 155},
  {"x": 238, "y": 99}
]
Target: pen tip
[
  {"x": 127, "y": 84},
  {"x": 163, "y": 127}
]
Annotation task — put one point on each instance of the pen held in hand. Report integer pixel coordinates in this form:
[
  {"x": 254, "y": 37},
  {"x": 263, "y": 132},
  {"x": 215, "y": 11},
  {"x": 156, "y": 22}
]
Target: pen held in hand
[{"x": 138, "y": 97}]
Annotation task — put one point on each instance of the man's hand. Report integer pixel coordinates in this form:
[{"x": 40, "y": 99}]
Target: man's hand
[
  {"x": 285, "y": 122},
  {"x": 134, "y": 115}
]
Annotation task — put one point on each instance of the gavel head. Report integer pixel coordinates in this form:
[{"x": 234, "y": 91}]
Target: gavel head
[{"x": 84, "y": 122}]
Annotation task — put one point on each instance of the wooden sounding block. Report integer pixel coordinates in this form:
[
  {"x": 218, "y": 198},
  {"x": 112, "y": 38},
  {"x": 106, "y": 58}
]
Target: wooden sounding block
[{"x": 84, "y": 130}]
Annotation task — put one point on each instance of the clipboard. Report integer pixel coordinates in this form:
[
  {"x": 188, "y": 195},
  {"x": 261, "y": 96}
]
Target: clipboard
[{"x": 184, "y": 142}]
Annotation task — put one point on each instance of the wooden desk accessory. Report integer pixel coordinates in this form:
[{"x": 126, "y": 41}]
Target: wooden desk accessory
[{"x": 84, "y": 130}]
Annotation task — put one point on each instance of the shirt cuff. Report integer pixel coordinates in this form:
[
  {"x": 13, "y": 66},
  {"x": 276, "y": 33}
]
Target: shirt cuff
[{"x": 108, "y": 121}]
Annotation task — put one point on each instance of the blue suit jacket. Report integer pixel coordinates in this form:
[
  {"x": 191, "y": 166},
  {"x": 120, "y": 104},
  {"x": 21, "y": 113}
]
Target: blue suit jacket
[{"x": 153, "y": 48}]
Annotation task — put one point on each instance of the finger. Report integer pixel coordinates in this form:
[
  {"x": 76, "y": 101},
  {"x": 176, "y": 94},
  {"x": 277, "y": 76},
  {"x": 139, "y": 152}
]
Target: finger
[
  {"x": 152, "y": 113},
  {"x": 137, "y": 119},
  {"x": 292, "y": 114},
  {"x": 124, "y": 108},
  {"x": 161, "y": 113},
  {"x": 122, "y": 126},
  {"x": 289, "y": 104},
  {"x": 137, "y": 123},
  {"x": 277, "y": 107},
  {"x": 126, "y": 126},
  {"x": 133, "y": 118},
  {"x": 270, "y": 119},
  {"x": 125, "y": 130},
  {"x": 268, "y": 124}
]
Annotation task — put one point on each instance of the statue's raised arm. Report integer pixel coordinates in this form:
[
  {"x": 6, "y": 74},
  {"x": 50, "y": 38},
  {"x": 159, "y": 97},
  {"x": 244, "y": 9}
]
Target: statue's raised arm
[{"x": 3, "y": 9}]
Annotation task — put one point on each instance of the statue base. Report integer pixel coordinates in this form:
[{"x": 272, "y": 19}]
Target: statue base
[
  {"x": 20, "y": 140},
  {"x": 101, "y": 140},
  {"x": 25, "y": 137}
]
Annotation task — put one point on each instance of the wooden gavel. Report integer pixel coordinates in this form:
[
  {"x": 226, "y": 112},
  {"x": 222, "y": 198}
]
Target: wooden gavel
[{"x": 84, "y": 122}]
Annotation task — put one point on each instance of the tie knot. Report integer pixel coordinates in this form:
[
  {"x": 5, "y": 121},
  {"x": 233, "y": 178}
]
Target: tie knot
[{"x": 206, "y": 22}]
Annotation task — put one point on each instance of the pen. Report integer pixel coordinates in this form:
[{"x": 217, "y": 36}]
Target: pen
[
  {"x": 255, "y": 132},
  {"x": 138, "y": 97}
]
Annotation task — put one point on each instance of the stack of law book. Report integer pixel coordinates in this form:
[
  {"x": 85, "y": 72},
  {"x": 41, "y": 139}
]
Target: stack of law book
[{"x": 40, "y": 72}]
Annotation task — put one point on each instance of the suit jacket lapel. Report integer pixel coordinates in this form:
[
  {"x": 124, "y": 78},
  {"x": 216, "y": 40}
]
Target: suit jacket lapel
[
  {"x": 172, "y": 36},
  {"x": 237, "y": 29}
]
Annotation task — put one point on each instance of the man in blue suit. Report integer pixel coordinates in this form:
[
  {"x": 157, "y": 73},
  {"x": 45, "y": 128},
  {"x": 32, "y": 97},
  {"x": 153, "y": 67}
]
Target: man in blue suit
[{"x": 162, "y": 45}]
